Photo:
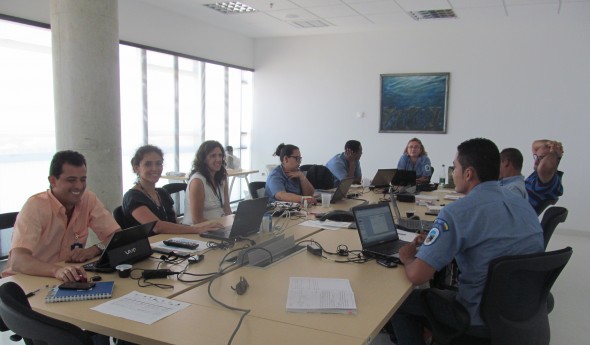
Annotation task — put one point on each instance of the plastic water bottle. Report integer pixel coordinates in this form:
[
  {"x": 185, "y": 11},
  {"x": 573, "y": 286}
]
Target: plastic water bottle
[{"x": 441, "y": 178}]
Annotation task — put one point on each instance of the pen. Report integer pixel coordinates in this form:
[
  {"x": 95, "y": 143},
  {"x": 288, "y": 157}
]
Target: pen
[{"x": 32, "y": 293}]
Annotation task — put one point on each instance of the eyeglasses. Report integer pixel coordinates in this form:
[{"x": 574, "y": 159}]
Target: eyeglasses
[
  {"x": 297, "y": 158},
  {"x": 537, "y": 158}
]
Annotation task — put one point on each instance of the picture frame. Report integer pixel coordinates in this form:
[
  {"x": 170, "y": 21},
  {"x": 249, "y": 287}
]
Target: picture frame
[{"x": 414, "y": 103}]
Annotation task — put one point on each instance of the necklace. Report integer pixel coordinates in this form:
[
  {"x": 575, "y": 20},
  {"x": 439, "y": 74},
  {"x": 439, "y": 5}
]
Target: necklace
[{"x": 159, "y": 203}]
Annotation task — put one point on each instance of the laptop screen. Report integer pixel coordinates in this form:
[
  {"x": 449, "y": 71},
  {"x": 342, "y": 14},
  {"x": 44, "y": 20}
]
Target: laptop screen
[
  {"x": 383, "y": 178},
  {"x": 404, "y": 178},
  {"x": 375, "y": 224},
  {"x": 127, "y": 246}
]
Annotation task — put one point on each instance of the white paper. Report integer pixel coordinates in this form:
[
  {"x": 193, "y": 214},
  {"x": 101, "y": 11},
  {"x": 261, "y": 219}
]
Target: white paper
[
  {"x": 322, "y": 295},
  {"x": 327, "y": 224},
  {"x": 137, "y": 306},
  {"x": 407, "y": 236}
]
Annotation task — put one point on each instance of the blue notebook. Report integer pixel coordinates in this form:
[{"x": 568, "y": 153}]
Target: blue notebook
[{"x": 100, "y": 291}]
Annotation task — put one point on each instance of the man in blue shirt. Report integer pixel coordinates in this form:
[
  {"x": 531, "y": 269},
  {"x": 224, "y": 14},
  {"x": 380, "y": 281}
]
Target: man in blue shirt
[
  {"x": 545, "y": 181},
  {"x": 347, "y": 163},
  {"x": 510, "y": 168},
  {"x": 489, "y": 222}
]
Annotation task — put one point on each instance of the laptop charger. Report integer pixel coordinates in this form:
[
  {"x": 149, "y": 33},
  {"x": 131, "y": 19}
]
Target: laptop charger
[
  {"x": 154, "y": 274},
  {"x": 315, "y": 249}
]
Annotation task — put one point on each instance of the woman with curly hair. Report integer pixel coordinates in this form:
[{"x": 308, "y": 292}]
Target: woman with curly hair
[{"x": 207, "y": 195}]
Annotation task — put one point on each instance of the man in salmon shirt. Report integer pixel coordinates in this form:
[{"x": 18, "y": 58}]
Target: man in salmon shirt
[{"x": 53, "y": 225}]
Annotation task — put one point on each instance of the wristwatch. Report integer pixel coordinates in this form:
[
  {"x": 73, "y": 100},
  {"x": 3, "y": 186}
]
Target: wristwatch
[{"x": 100, "y": 247}]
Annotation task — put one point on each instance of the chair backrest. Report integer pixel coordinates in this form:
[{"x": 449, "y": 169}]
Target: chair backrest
[
  {"x": 120, "y": 218},
  {"x": 172, "y": 188},
  {"x": 320, "y": 177},
  {"x": 514, "y": 302},
  {"x": 544, "y": 204},
  {"x": 551, "y": 218},
  {"x": 17, "y": 314},
  {"x": 176, "y": 191},
  {"x": 305, "y": 167},
  {"x": 7, "y": 221},
  {"x": 254, "y": 187}
]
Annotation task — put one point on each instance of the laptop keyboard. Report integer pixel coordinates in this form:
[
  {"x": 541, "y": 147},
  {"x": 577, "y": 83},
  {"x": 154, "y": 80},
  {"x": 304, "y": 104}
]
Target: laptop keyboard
[
  {"x": 390, "y": 248},
  {"x": 415, "y": 224}
]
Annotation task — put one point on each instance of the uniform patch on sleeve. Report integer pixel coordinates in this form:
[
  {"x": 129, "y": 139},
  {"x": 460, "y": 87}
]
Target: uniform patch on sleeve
[
  {"x": 441, "y": 224},
  {"x": 432, "y": 236}
]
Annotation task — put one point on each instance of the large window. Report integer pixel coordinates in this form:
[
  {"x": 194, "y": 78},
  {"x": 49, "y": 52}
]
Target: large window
[{"x": 174, "y": 102}]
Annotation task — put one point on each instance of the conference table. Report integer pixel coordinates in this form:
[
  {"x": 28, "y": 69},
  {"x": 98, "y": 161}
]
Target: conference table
[{"x": 379, "y": 291}]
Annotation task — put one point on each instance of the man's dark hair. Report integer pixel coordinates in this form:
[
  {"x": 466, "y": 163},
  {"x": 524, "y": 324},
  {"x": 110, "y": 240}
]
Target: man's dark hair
[
  {"x": 513, "y": 156},
  {"x": 62, "y": 157},
  {"x": 482, "y": 155},
  {"x": 353, "y": 145},
  {"x": 229, "y": 149}
]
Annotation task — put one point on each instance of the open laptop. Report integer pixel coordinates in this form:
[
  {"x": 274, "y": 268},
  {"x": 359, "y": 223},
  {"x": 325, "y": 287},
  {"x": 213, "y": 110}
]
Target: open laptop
[
  {"x": 247, "y": 221},
  {"x": 125, "y": 247},
  {"x": 406, "y": 180},
  {"x": 340, "y": 193},
  {"x": 407, "y": 223},
  {"x": 382, "y": 178},
  {"x": 377, "y": 231}
]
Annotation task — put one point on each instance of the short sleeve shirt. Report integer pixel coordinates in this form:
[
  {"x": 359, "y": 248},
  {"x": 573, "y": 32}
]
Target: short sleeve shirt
[
  {"x": 42, "y": 226},
  {"x": 278, "y": 181},
  {"x": 422, "y": 166},
  {"x": 135, "y": 198},
  {"x": 338, "y": 166},
  {"x": 487, "y": 223},
  {"x": 539, "y": 191}
]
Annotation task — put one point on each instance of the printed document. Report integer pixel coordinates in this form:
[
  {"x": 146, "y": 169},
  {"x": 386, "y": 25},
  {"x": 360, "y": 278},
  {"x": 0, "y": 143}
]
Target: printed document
[{"x": 320, "y": 295}]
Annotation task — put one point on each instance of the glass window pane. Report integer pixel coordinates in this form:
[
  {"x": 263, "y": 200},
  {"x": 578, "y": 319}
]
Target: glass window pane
[
  {"x": 27, "y": 139},
  {"x": 190, "y": 113},
  {"x": 215, "y": 102}
]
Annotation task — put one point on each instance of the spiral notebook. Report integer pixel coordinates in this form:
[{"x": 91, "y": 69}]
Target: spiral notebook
[{"x": 101, "y": 290}]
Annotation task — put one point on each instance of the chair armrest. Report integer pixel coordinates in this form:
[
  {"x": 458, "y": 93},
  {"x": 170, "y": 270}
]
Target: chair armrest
[{"x": 448, "y": 318}]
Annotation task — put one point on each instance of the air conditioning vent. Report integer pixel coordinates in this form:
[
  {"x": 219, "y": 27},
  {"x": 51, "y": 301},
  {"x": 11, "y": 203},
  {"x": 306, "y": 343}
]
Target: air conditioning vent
[
  {"x": 231, "y": 7},
  {"x": 433, "y": 14}
]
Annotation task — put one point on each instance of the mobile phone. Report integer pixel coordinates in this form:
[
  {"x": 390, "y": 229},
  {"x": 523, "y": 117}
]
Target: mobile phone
[
  {"x": 77, "y": 285},
  {"x": 387, "y": 263}
]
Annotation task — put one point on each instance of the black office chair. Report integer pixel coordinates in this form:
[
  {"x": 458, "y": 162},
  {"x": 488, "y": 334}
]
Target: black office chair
[
  {"x": 320, "y": 177},
  {"x": 35, "y": 327},
  {"x": 543, "y": 205},
  {"x": 254, "y": 187},
  {"x": 119, "y": 216},
  {"x": 551, "y": 218},
  {"x": 174, "y": 188},
  {"x": 514, "y": 303}
]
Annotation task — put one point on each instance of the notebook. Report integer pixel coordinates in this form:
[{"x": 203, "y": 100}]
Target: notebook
[
  {"x": 125, "y": 247},
  {"x": 101, "y": 290},
  {"x": 407, "y": 223},
  {"x": 340, "y": 193},
  {"x": 382, "y": 178},
  {"x": 247, "y": 221},
  {"x": 377, "y": 231}
]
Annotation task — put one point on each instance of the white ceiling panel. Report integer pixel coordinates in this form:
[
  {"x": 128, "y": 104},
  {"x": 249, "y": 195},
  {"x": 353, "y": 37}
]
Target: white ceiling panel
[
  {"x": 376, "y": 7},
  {"x": 423, "y": 5},
  {"x": 333, "y": 11}
]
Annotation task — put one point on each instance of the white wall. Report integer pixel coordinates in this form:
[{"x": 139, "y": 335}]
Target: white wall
[{"x": 510, "y": 82}]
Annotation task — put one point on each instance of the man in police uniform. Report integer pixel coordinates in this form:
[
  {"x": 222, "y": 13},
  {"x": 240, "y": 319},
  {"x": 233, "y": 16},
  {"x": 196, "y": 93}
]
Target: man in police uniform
[{"x": 487, "y": 223}]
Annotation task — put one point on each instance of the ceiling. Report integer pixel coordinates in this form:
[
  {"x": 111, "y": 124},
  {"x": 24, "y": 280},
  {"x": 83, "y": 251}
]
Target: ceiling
[{"x": 277, "y": 18}]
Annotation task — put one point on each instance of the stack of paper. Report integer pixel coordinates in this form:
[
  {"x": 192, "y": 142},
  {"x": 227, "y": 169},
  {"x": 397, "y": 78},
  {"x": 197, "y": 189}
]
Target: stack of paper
[
  {"x": 454, "y": 196},
  {"x": 320, "y": 295}
]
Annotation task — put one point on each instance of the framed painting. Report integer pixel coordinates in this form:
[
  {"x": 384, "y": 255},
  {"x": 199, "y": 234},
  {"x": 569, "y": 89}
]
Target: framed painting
[{"x": 415, "y": 102}]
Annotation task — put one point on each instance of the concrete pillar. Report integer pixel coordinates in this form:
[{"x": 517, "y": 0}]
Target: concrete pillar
[{"x": 85, "y": 39}]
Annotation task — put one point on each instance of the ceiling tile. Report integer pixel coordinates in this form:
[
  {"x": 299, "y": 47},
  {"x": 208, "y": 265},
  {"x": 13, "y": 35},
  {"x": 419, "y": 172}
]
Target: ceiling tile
[
  {"x": 333, "y": 11},
  {"x": 376, "y": 7},
  {"x": 423, "y": 5}
]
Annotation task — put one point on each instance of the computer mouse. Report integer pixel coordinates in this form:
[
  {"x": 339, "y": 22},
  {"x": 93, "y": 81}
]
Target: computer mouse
[{"x": 196, "y": 259}]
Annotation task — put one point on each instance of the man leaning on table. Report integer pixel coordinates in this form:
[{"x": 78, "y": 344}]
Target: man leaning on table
[
  {"x": 487, "y": 223},
  {"x": 53, "y": 225},
  {"x": 348, "y": 163}
]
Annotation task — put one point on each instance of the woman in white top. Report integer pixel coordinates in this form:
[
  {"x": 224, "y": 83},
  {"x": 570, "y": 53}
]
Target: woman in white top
[{"x": 207, "y": 194}]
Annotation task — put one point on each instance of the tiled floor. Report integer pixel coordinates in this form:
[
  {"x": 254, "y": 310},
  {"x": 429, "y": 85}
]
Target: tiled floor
[{"x": 571, "y": 315}]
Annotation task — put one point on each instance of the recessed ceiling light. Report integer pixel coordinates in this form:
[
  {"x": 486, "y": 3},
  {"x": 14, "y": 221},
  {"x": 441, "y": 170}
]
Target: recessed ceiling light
[
  {"x": 231, "y": 7},
  {"x": 433, "y": 14},
  {"x": 305, "y": 24}
]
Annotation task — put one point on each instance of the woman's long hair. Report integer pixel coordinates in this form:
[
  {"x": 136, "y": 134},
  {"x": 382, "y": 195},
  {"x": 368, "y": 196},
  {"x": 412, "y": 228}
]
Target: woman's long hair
[{"x": 200, "y": 163}]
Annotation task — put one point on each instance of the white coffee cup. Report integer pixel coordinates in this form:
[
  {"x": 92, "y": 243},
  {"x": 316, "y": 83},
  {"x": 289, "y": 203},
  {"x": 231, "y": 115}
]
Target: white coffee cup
[{"x": 326, "y": 198}]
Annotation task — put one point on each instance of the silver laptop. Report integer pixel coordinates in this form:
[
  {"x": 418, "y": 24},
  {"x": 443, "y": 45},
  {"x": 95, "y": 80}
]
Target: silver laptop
[
  {"x": 407, "y": 223},
  {"x": 340, "y": 193},
  {"x": 382, "y": 178},
  {"x": 247, "y": 221},
  {"x": 377, "y": 231}
]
